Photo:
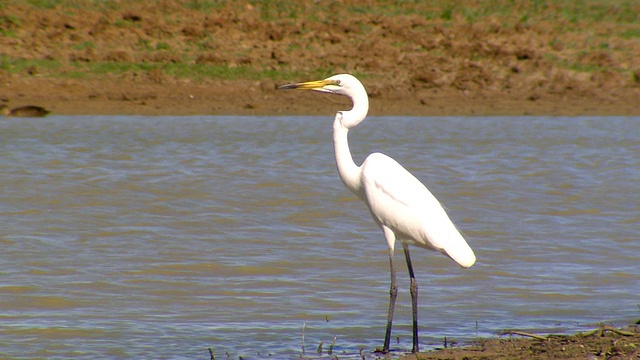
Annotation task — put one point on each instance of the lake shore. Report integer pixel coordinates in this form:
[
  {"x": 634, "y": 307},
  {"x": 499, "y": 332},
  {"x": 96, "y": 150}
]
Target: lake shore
[
  {"x": 604, "y": 342},
  {"x": 121, "y": 96},
  {"x": 429, "y": 59}
]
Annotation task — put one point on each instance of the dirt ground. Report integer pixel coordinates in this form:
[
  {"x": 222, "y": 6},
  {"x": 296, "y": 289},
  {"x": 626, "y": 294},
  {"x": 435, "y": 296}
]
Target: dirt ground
[
  {"x": 602, "y": 343},
  {"x": 108, "y": 96},
  {"x": 446, "y": 65}
]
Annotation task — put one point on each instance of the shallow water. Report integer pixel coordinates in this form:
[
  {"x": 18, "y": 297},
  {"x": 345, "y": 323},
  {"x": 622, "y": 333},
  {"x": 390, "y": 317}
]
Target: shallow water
[{"x": 159, "y": 237}]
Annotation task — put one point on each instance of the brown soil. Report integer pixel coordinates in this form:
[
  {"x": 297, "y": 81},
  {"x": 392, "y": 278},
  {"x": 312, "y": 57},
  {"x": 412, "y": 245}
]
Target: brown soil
[
  {"x": 606, "y": 343},
  {"x": 493, "y": 65}
]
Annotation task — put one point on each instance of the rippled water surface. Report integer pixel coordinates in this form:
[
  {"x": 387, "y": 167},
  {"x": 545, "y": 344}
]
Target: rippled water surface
[{"x": 159, "y": 237}]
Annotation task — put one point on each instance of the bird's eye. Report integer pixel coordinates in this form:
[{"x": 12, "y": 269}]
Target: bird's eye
[{"x": 336, "y": 82}]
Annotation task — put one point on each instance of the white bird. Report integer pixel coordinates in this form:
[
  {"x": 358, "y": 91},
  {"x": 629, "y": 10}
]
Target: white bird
[{"x": 399, "y": 203}]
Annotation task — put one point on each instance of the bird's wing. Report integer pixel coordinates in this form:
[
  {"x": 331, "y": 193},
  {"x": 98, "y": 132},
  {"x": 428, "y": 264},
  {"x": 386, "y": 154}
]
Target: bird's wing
[
  {"x": 401, "y": 202},
  {"x": 391, "y": 179}
]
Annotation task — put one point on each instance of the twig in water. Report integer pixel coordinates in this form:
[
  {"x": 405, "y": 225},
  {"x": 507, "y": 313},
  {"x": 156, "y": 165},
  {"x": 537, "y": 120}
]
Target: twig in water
[
  {"x": 213, "y": 357},
  {"x": 330, "y": 351},
  {"x": 602, "y": 328},
  {"x": 476, "y": 327},
  {"x": 303, "y": 325},
  {"x": 319, "y": 350},
  {"x": 522, "y": 333}
]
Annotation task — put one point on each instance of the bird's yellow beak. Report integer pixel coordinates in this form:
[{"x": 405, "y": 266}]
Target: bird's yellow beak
[{"x": 310, "y": 85}]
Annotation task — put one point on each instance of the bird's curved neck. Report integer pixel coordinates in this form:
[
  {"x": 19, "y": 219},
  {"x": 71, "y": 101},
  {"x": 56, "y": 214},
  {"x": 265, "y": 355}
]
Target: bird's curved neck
[{"x": 347, "y": 169}]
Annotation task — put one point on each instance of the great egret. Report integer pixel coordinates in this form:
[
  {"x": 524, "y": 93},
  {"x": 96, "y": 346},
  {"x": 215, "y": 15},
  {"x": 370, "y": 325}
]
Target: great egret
[
  {"x": 24, "y": 111},
  {"x": 399, "y": 203}
]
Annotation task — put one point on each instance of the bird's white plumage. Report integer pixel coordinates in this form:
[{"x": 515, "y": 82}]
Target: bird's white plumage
[
  {"x": 402, "y": 203},
  {"x": 396, "y": 199},
  {"x": 399, "y": 203}
]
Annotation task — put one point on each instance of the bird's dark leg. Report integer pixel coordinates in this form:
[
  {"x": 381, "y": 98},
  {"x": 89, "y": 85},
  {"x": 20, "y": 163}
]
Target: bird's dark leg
[
  {"x": 393, "y": 294},
  {"x": 414, "y": 298}
]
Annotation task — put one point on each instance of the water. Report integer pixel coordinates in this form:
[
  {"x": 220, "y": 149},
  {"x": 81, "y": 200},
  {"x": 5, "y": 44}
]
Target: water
[{"x": 159, "y": 237}]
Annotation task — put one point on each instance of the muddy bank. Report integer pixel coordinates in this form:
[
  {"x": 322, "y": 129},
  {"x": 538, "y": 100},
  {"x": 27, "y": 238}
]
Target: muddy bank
[
  {"x": 179, "y": 58},
  {"x": 602, "y": 343},
  {"x": 244, "y": 97}
]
